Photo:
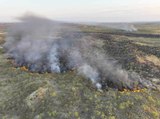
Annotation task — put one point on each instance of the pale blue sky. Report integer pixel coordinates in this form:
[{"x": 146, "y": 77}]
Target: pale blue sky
[{"x": 83, "y": 10}]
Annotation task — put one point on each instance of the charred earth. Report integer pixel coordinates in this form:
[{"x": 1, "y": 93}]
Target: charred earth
[{"x": 29, "y": 95}]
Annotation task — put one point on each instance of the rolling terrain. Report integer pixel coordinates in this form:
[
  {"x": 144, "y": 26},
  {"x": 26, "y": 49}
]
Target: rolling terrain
[{"x": 26, "y": 95}]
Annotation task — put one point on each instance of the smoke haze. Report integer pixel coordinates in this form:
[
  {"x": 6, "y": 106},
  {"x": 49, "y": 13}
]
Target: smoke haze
[{"x": 43, "y": 45}]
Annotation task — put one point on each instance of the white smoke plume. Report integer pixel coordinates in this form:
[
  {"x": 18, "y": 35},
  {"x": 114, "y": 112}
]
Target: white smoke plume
[
  {"x": 53, "y": 59},
  {"x": 129, "y": 27},
  {"x": 43, "y": 45}
]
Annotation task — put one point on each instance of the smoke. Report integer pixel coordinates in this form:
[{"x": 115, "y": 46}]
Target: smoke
[
  {"x": 53, "y": 59},
  {"x": 120, "y": 26},
  {"x": 43, "y": 45}
]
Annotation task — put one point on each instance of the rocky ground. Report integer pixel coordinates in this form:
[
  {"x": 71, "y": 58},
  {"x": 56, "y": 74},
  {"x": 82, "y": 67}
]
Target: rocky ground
[{"x": 25, "y": 95}]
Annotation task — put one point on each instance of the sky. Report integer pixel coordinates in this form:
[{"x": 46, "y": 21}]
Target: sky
[{"x": 83, "y": 10}]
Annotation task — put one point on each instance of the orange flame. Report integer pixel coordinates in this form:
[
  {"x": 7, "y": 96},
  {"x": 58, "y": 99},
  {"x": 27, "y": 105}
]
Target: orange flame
[
  {"x": 135, "y": 90},
  {"x": 24, "y": 68}
]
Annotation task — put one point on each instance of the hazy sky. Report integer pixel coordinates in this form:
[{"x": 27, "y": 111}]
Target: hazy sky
[{"x": 83, "y": 10}]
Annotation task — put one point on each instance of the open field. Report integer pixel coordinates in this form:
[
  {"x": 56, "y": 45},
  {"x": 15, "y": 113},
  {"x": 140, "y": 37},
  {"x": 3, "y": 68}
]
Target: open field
[
  {"x": 148, "y": 27},
  {"x": 26, "y": 95}
]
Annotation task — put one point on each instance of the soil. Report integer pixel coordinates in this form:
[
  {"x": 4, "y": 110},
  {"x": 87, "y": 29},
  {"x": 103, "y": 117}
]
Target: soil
[{"x": 26, "y": 95}]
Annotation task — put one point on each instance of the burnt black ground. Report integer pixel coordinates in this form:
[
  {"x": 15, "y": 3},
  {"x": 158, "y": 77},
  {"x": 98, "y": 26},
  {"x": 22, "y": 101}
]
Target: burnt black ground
[{"x": 26, "y": 95}]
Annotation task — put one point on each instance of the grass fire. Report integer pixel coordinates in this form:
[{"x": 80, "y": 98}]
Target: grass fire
[
  {"x": 51, "y": 69},
  {"x": 40, "y": 45},
  {"x": 67, "y": 59}
]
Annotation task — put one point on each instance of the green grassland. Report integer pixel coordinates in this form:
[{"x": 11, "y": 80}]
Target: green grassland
[
  {"x": 153, "y": 28},
  {"x": 25, "y": 95},
  {"x": 142, "y": 28}
]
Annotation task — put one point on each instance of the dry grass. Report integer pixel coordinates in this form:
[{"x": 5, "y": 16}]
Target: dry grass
[
  {"x": 141, "y": 44},
  {"x": 2, "y": 38},
  {"x": 155, "y": 60},
  {"x": 149, "y": 59},
  {"x": 25, "y": 95},
  {"x": 140, "y": 59}
]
